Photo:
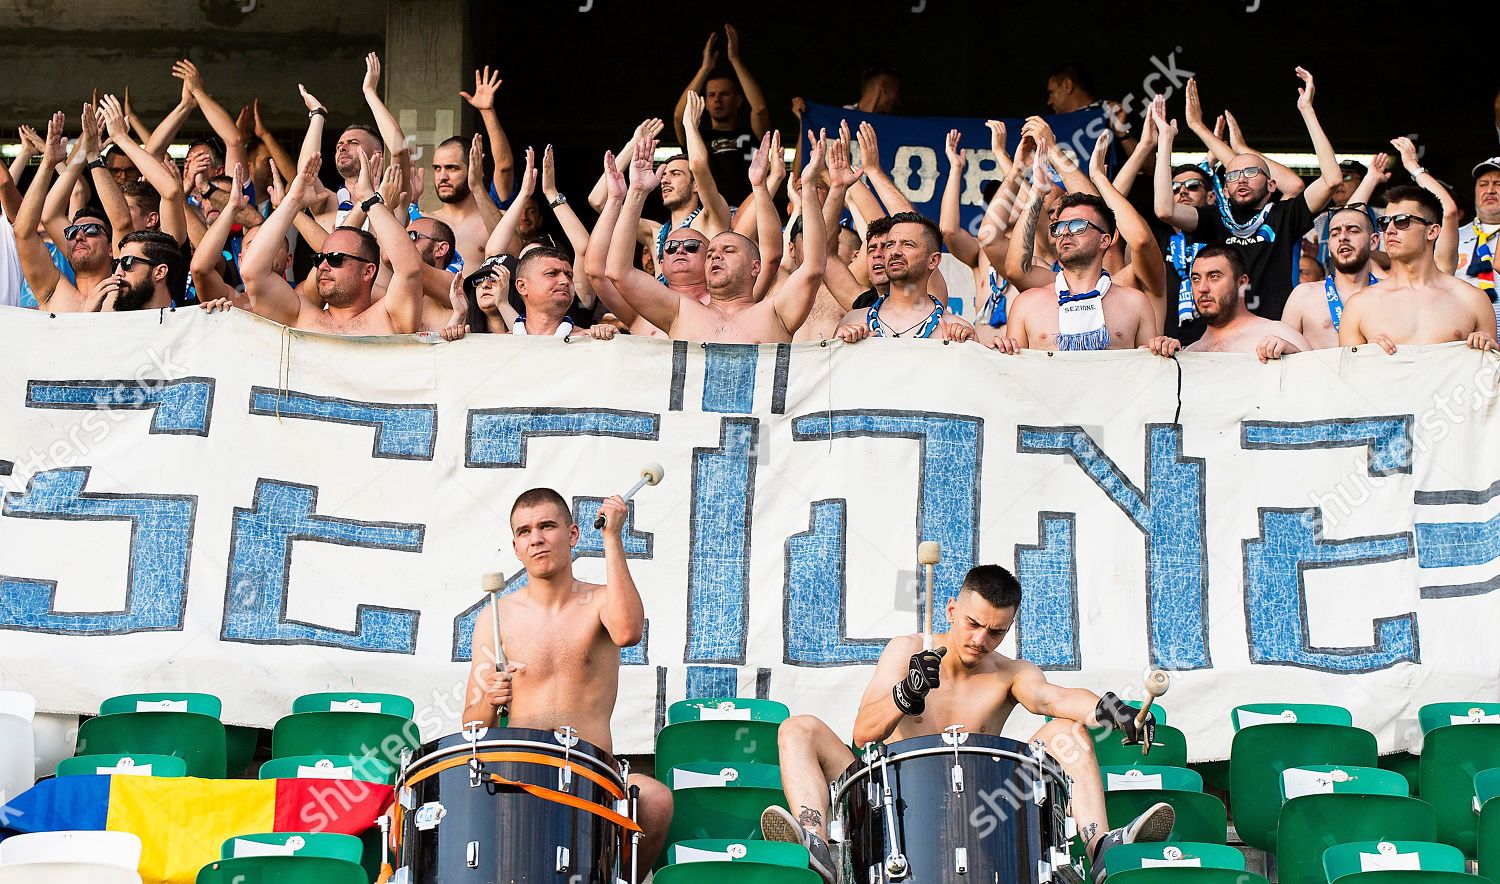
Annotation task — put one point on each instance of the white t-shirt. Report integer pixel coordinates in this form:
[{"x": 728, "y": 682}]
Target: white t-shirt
[
  {"x": 10, "y": 266},
  {"x": 1467, "y": 240}
]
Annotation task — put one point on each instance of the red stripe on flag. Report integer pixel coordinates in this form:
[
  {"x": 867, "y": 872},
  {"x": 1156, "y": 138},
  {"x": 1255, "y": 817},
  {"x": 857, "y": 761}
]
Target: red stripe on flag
[{"x": 346, "y": 807}]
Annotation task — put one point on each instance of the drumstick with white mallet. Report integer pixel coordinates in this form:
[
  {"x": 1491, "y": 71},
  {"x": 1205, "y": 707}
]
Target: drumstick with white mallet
[
  {"x": 494, "y": 584},
  {"x": 651, "y": 473},
  {"x": 929, "y": 553},
  {"x": 1156, "y": 683}
]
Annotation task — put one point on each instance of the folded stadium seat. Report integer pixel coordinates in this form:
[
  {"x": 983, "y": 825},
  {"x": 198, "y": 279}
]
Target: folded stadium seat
[
  {"x": 329, "y": 767},
  {"x": 1487, "y": 836},
  {"x": 721, "y": 800},
  {"x": 142, "y": 765},
  {"x": 239, "y": 747},
  {"x": 196, "y": 738},
  {"x": 1331, "y": 804},
  {"x": 1354, "y": 857},
  {"x": 1451, "y": 756},
  {"x": 17, "y": 755},
  {"x": 67, "y": 873},
  {"x": 755, "y": 862},
  {"x": 282, "y": 870},
  {"x": 1435, "y": 715},
  {"x": 727, "y": 709},
  {"x": 118, "y": 849},
  {"x": 325, "y": 844},
  {"x": 343, "y": 724},
  {"x": 1172, "y": 854},
  {"x": 1407, "y": 765},
  {"x": 169, "y": 701},
  {"x": 1168, "y": 747},
  {"x": 1185, "y": 875},
  {"x": 1131, "y": 790},
  {"x": 1258, "y": 755},
  {"x": 1411, "y": 876}
]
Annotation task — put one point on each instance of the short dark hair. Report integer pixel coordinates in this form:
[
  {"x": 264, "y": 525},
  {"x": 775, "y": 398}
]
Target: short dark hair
[
  {"x": 369, "y": 247},
  {"x": 796, "y": 229},
  {"x": 91, "y": 211},
  {"x": 1361, "y": 210},
  {"x": 141, "y": 191},
  {"x": 879, "y": 227},
  {"x": 723, "y": 74},
  {"x": 457, "y": 140},
  {"x": 366, "y": 127},
  {"x": 846, "y": 227},
  {"x": 1227, "y": 252},
  {"x": 1410, "y": 193},
  {"x": 442, "y": 233},
  {"x": 540, "y": 496},
  {"x": 1078, "y": 74},
  {"x": 1090, "y": 201},
  {"x": 214, "y": 145},
  {"x": 994, "y": 584},
  {"x": 672, "y": 159},
  {"x": 1196, "y": 170},
  {"x": 876, "y": 71},
  {"x": 933, "y": 233},
  {"x": 538, "y": 254},
  {"x": 163, "y": 248}
]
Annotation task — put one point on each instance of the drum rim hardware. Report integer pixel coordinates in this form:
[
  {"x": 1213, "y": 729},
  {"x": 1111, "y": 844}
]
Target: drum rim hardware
[
  {"x": 895, "y": 862},
  {"x": 607, "y": 767},
  {"x": 567, "y": 737},
  {"x": 954, "y": 736}
]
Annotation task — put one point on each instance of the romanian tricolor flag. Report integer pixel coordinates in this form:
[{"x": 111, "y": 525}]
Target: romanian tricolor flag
[{"x": 183, "y": 822}]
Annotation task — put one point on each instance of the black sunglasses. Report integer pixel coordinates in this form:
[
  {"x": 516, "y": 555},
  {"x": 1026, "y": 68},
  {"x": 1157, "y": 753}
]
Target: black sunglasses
[
  {"x": 691, "y": 246},
  {"x": 1189, "y": 186},
  {"x": 130, "y": 262},
  {"x": 414, "y": 235},
  {"x": 90, "y": 228},
  {"x": 1073, "y": 227},
  {"x": 1401, "y": 221},
  {"x": 337, "y": 259}
]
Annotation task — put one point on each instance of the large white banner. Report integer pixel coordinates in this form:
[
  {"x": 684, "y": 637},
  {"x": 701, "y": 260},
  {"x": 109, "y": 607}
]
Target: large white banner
[{"x": 214, "y": 503}]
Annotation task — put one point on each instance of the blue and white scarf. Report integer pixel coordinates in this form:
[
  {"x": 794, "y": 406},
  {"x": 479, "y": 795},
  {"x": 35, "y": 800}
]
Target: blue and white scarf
[
  {"x": 924, "y": 330},
  {"x": 1080, "y": 317},
  {"x": 1180, "y": 253},
  {"x": 1336, "y": 301},
  {"x": 995, "y": 304}
]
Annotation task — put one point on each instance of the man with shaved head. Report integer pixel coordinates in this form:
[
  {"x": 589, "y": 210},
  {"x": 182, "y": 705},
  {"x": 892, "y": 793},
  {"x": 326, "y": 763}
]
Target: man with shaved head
[{"x": 732, "y": 315}]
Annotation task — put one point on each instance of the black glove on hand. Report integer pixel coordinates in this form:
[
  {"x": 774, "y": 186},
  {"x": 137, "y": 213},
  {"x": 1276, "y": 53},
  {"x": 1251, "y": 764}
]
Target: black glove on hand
[
  {"x": 922, "y": 676},
  {"x": 1112, "y": 712}
]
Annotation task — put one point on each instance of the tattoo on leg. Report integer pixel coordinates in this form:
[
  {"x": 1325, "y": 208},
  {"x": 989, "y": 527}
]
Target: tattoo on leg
[
  {"x": 809, "y": 818},
  {"x": 1088, "y": 832}
]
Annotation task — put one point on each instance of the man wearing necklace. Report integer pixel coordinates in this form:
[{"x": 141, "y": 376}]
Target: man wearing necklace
[
  {"x": 1315, "y": 309},
  {"x": 908, "y": 310},
  {"x": 1219, "y": 286},
  {"x": 1082, "y": 309},
  {"x": 1251, "y": 215}
]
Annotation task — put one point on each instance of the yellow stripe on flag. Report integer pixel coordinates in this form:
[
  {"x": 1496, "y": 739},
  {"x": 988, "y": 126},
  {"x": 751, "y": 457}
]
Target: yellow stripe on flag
[{"x": 182, "y": 822}]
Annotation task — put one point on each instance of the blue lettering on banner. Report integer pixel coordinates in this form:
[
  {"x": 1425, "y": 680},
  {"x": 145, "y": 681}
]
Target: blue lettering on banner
[
  {"x": 729, "y": 378},
  {"x": 1047, "y": 624},
  {"x": 497, "y": 437},
  {"x": 1387, "y": 439},
  {"x": 1458, "y": 544},
  {"x": 402, "y": 432},
  {"x": 161, "y": 538},
  {"x": 947, "y": 488},
  {"x": 712, "y": 681},
  {"x": 1291, "y": 544},
  {"x": 1171, "y": 515},
  {"x": 723, "y": 495},
  {"x": 816, "y": 595},
  {"x": 182, "y": 407},
  {"x": 260, "y": 567}
]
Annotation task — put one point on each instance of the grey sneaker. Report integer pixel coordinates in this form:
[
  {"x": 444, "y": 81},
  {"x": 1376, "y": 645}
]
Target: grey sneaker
[
  {"x": 1153, "y": 825},
  {"x": 778, "y": 824}
]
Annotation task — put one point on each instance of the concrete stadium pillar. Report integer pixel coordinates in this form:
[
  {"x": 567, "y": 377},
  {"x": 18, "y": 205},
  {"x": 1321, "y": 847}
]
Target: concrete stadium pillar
[{"x": 427, "y": 62}]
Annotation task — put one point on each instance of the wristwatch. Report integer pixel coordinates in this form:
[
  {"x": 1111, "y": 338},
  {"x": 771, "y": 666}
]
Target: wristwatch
[
  {"x": 95, "y": 163},
  {"x": 557, "y": 201},
  {"x": 375, "y": 199},
  {"x": 318, "y": 112}
]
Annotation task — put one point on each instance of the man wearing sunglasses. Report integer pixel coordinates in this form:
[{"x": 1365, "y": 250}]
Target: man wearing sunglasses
[
  {"x": 1082, "y": 309},
  {"x": 1418, "y": 303},
  {"x": 1219, "y": 285},
  {"x": 1192, "y": 188},
  {"x": 149, "y": 274},
  {"x": 345, "y": 270},
  {"x": 1316, "y": 308}
]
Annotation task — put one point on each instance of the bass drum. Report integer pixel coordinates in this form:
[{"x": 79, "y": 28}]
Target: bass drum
[
  {"x": 953, "y": 807},
  {"x": 510, "y": 824}
]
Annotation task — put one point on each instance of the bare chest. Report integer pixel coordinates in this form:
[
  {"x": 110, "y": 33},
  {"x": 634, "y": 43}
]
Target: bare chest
[{"x": 754, "y": 325}]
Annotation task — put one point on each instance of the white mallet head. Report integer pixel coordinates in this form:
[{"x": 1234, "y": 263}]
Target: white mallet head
[
  {"x": 652, "y": 473},
  {"x": 1156, "y": 682},
  {"x": 929, "y": 552},
  {"x": 493, "y": 582}
]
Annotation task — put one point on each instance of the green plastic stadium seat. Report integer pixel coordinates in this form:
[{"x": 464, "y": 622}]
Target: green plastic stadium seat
[
  {"x": 354, "y": 701},
  {"x": 141, "y": 765},
  {"x": 1487, "y": 838},
  {"x": 1200, "y": 816},
  {"x": 336, "y": 767},
  {"x": 1150, "y": 776},
  {"x": 1451, "y": 756},
  {"x": 169, "y": 701},
  {"x": 325, "y": 844},
  {"x": 1413, "y": 877},
  {"x": 196, "y": 738},
  {"x": 727, "y": 708},
  {"x": 1311, "y": 824},
  {"x": 1169, "y": 748},
  {"x": 1259, "y": 754},
  {"x": 727, "y": 742},
  {"x": 344, "y": 733},
  {"x": 1408, "y": 766},
  {"x": 1251, "y": 714},
  {"x": 239, "y": 747},
  {"x": 744, "y": 873},
  {"x": 770, "y": 853},
  {"x": 1180, "y": 875},
  {"x": 1189, "y": 854},
  {"x": 282, "y": 870},
  {"x": 1341, "y": 779},
  {"x": 717, "y": 800},
  {"x": 1435, "y": 715},
  {"x": 1355, "y": 857}
]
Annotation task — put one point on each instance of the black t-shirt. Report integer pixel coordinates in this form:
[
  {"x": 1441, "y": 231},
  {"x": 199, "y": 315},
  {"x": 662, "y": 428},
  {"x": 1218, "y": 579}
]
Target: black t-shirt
[
  {"x": 729, "y": 156},
  {"x": 1172, "y": 328},
  {"x": 866, "y": 299},
  {"x": 1270, "y": 252}
]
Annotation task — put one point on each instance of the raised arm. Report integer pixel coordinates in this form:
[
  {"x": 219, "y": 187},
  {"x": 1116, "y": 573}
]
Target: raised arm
[
  {"x": 869, "y": 158},
  {"x": 1192, "y": 115},
  {"x": 1143, "y": 153},
  {"x": 278, "y": 152},
  {"x": 760, "y": 112},
  {"x": 385, "y": 121},
  {"x": 1168, "y": 210},
  {"x": 489, "y": 213},
  {"x": 10, "y": 195},
  {"x": 218, "y": 118},
  {"x": 173, "y": 215},
  {"x": 648, "y": 129},
  {"x": 1320, "y": 191},
  {"x": 308, "y": 228},
  {"x": 31, "y": 146},
  {"x": 1065, "y": 164},
  {"x": 55, "y": 211},
  {"x": 319, "y": 198},
  {"x": 403, "y": 291},
  {"x": 793, "y": 301},
  {"x": 162, "y": 136},
  {"x": 1447, "y": 243},
  {"x": 502, "y": 239},
  {"x": 960, "y": 242},
  {"x": 1145, "y": 255},
  {"x": 695, "y": 85},
  {"x": 715, "y": 208},
  {"x": 205, "y": 264},
  {"x": 486, "y": 84},
  {"x": 657, "y": 303},
  {"x": 1288, "y": 182},
  {"x": 36, "y": 262},
  {"x": 1020, "y": 259},
  {"x": 267, "y": 290},
  {"x": 842, "y": 175},
  {"x": 573, "y": 229},
  {"x": 621, "y": 611},
  {"x": 597, "y": 251}
]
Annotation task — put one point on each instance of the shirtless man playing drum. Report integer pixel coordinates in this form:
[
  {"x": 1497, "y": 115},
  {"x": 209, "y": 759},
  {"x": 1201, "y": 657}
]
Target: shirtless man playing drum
[
  {"x": 562, "y": 638},
  {"x": 962, "y": 680}
]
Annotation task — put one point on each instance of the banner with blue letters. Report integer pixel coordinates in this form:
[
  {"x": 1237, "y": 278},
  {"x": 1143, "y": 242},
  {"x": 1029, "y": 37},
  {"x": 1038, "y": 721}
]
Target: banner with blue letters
[{"x": 214, "y": 503}]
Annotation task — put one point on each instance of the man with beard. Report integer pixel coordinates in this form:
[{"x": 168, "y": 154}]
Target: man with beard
[
  {"x": 1269, "y": 230},
  {"x": 344, "y": 270},
  {"x": 471, "y": 215},
  {"x": 908, "y": 309},
  {"x": 85, "y": 243},
  {"x": 732, "y": 314},
  {"x": 149, "y": 274},
  {"x": 1190, "y": 188},
  {"x": 1316, "y": 308},
  {"x": 1417, "y": 303},
  {"x": 1082, "y": 309},
  {"x": 331, "y": 207},
  {"x": 1477, "y": 241},
  {"x": 1219, "y": 284}
]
